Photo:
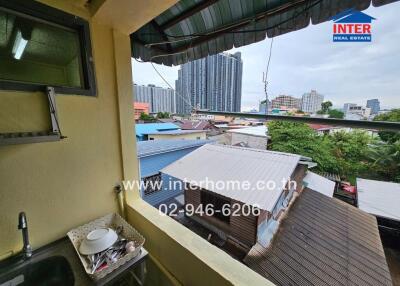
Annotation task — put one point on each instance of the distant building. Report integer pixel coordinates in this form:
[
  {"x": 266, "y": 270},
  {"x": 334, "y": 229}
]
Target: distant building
[
  {"x": 159, "y": 99},
  {"x": 311, "y": 102},
  {"x": 155, "y": 155},
  {"x": 347, "y": 106},
  {"x": 263, "y": 105},
  {"x": 139, "y": 108},
  {"x": 287, "y": 101},
  {"x": 213, "y": 82},
  {"x": 357, "y": 112},
  {"x": 252, "y": 137},
  {"x": 375, "y": 105},
  {"x": 262, "y": 108}
]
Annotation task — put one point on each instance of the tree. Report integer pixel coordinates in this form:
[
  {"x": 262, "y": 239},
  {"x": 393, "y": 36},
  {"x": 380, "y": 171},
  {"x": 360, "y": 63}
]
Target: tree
[
  {"x": 394, "y": 116},
  {"x": 334, "y": 113},
  {"x": 146, "y": 117},
  {"x": 385, "y": 159},
  {"x": 300, "y": 139},
  {"x": 161, "y": 115},
  {"x": 349, "y": 149},
  {"x": 325, "y": 106},
  {"x": 343, "y": 153}
]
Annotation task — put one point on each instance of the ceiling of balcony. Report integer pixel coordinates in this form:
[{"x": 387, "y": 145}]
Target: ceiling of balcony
[{"x": 196, "y": 28}]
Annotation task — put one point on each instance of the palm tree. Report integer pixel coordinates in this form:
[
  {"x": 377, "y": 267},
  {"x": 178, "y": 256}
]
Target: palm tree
[{"x": 385, "y": 158}]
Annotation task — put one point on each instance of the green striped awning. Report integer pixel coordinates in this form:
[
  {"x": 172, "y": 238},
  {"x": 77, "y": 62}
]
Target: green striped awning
[{"x": 193, "y": 29}]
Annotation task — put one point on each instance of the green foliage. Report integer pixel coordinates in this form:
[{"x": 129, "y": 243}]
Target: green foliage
[
  {"x": 300, "y": 139},
  {"x": 146, "y": 117},
  {"x": 349, "y": 150},
  {"x": 385, "y": 160},
  {"x": 394, "y": 116},
  {"x": 325, "y": 106},
  {"x": 161, "y": 115},
  {"x": 343, "y": 153},
  {"x": 334, "y": 113}
]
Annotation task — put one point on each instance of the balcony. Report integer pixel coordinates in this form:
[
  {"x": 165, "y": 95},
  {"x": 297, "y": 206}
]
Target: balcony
[{"x": 70, "y": 181}]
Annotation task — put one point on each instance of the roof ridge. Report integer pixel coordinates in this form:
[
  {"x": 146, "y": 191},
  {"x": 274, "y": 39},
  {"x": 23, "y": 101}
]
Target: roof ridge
[{"x": 258, "y": 150}]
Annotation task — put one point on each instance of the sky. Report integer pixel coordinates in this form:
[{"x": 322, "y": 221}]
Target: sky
[{"x": 308, "y": 59}]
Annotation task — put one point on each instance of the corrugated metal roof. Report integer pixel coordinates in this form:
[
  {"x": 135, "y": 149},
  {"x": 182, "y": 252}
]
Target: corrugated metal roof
[
  {"x": 260, "y": 131},
  {"x": 323, "y": 241},
  {"x": 145, "y": 128},
  {"x": 174, "y": 132},
  {"x": 195, "y": 29},
  {"x": 195, "y": 125},
  {"x": 222, "y": 163},
  {"x": 379, "y": 198},
  {"x": 319, "y": 184},
  {"x": 153, "y": 147}
]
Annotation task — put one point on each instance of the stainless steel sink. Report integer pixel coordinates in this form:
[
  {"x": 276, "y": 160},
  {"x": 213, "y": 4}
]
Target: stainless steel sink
[{"x": 53, "y": 270}]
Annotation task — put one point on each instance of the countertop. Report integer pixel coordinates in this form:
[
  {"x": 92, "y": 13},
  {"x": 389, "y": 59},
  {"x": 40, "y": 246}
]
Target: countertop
[{"x": 64, "y": 247}]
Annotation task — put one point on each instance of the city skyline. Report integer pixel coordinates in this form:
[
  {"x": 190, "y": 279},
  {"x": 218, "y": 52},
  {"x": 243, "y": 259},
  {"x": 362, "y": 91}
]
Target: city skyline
[
  {"x": 213, "y": 82},
  {"x": 337, "y": 70},
  {"x": 159, "y": 99}
]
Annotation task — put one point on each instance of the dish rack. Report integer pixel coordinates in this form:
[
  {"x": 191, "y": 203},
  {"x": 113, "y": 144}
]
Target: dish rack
[{"x": 112, "y": 220}]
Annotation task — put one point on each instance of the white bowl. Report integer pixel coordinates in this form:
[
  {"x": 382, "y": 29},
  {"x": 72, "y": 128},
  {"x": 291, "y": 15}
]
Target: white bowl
[{"x": 98, "y": 240}]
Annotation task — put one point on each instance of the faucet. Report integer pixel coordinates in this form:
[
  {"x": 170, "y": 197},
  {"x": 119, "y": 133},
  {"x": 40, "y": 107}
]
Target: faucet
[{"x": 23, "y": 225}]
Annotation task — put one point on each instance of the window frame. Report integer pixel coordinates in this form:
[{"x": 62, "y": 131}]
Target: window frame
[{"x": 52, "y": 15}]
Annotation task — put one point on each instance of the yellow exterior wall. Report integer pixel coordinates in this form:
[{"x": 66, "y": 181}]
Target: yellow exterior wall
[
  {"x": 191, "y": 136},
  {"x": 188, "y": 257},
  {"x": 61, "y": 185}
]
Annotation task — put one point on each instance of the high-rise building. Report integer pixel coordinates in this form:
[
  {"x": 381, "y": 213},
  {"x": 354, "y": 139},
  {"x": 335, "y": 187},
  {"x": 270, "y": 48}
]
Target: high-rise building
[
  {"x": 286, "y": 101},
  {"x": 311, "y": 101},
  {"x": 159, "y": 99},
  {"x": 213, "y": 82},
  {"x": 375, "y": 105}
]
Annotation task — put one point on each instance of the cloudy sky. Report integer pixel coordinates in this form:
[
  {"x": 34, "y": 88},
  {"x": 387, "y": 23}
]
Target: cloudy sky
[{"x": 308, "y": 59}]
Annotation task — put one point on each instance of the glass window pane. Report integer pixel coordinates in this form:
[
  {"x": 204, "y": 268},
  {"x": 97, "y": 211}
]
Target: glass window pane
[{"x": 34, "y": 51}]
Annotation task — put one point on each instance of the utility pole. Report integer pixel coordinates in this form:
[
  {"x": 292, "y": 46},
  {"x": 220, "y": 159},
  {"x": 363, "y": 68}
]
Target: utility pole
[{"x": 266, "y": 92}]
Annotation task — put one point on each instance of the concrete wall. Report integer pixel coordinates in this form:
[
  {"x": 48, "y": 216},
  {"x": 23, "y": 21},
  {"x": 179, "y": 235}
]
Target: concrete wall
[{"x": 256, "y": 142}]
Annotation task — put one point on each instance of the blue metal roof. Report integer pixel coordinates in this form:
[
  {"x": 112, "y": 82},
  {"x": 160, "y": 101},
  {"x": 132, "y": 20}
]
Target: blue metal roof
[
  {"x": 148, "y": 148},
  {"x": 147, "y": 128}
]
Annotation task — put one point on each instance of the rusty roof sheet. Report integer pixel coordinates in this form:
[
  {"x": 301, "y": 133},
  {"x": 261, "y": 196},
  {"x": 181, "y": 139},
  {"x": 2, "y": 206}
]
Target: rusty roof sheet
[{"x": 323, "y": 241}]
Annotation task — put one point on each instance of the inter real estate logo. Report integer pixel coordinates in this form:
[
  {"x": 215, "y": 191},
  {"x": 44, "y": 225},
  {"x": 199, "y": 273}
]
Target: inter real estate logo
[{"x": 352, "y": 26}]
